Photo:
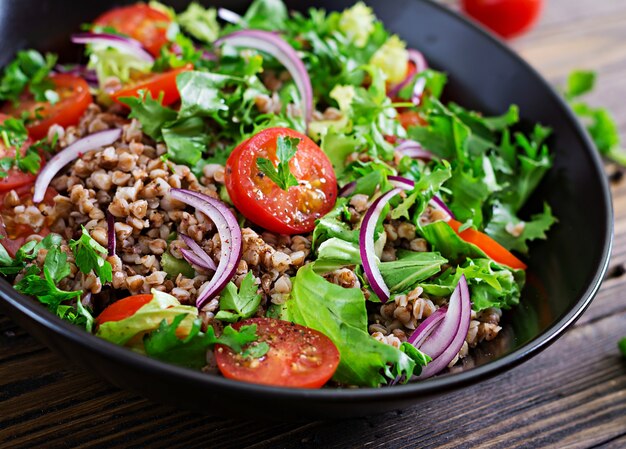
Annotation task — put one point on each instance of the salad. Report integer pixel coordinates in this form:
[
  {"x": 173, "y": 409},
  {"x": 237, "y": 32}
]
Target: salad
[{"x": 276, "y": 198}]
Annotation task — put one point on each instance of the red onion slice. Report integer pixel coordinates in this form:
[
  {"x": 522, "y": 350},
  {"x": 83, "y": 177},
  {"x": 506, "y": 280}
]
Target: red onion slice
[
  {"x": 427, "y": 326},
  {"x": 418, "y": 59},
  {"x": 460, "y": 310},
  {"x": 276, "y": 46},
  {"x": 229, "y": 16},
  {"x": 206, "y": 260},
  {"x": 122, "y": 43},
  {"x": 414, "y": 150},
  {"x": 112, "y": 238},
  {"x": 366, "y": 245},
  {"x": 62, "y": 158},
  {"x": 194, "y": 259},
  {"x": 230, "y": 237}
]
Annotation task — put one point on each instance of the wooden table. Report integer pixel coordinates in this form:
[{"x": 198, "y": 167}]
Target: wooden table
[{"x": 572, "y": 395}]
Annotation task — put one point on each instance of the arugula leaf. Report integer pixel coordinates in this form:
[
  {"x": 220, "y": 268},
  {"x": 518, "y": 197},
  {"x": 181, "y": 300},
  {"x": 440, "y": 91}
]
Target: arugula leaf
[
  {"x": 286, "y": 148},
  {"x": 503, "y": 224},
  {"x": 90, "y": 255},
  {"x": 234, "y": 305},
  {"x": 199, "y": 22},
  {"x": 490, "y": 284},
  {"x": 340, "y": 314},
  {"x": 186, "y": 139},
  {"x": 29, "y": 69},
  {"x": 150, "y": 112},
  {"x": 333, "y": 225}
]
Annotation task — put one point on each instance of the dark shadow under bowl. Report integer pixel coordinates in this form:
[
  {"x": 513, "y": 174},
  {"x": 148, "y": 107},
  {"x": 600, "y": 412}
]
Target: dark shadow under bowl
[{"x": 565, "y": 271}]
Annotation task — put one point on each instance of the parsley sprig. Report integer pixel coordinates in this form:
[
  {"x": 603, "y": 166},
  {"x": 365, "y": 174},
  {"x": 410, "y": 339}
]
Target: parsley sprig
[
  {"x": 13, "y": 134},
  {"x": 239, "y": 305},
  {"x": 163, "y": 344},
  {"x": 29, "y": 69},
  {"x": 286, "y": 148},
  {"x": 89, "y": 255}
]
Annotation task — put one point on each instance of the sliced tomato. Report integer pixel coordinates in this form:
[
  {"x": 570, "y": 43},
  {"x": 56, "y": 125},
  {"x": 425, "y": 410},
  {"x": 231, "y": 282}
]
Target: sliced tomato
[
  {"x": 141, "y": 22},
  {"x": 489, "y": 246},
  {"x": 15, "y": 177},
  {"x": 411, "y": 118},
  {"x": 74, "y": 98},
  {"x": 298, "y": 357},
  {"x": 263, "y": 202},
  {"x": 155, "y": 83},
  {"x": 123, "y": 308},
  {"x": 15, "y": 234},
  {"x": 508, "y": 18}
]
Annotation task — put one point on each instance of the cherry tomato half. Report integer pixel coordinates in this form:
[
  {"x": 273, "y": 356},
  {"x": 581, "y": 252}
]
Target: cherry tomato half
[
  {"x": 298, "y": 357},
  {"x": 489, "y": 246},
  {"x": 123, "y": 308},
  {"x": 409, "y": 118},
  {"x": 155, "y": 83},
  {"x": 508, "y": 18},
  {"x": 141, "y": 22},
  {"x": 15, "y": 234},
  {"x": 74, "y": 98},
  {"x": 261, "y": 201}
]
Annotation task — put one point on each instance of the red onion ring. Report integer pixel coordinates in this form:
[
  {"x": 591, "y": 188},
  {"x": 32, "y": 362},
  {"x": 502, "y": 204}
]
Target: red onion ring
[
  {"x": 230, "y": 237},
  {"x": 112, "y": 238},
  {"x": 426, "y": 327},
  {"x": 414, "y": 150},
  {"x": 420, "y": 63},
  {"x": 195, "y": 252},
  {"x": 276, "y": 46},
  {"x": 459, "y": 313},
  {"x": 229, "y": 16},
  {"x": 68, "y": 154},
  {"x": 122, "y": 43},
  {"x": 366, "y": 245}
]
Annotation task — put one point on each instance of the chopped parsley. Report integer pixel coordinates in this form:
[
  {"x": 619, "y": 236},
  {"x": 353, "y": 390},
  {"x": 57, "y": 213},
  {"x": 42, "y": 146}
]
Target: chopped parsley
[
  {"x": 239, "y": 305},
  {"x": 163, "y": 344},
  {"x": 90, "y": 255},
  {"x": 286, "y": 148},
  {"x": 29, "y": 69}
]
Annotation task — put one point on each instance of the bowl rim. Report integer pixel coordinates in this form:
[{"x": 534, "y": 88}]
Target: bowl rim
[{"x": 33, "y": 310}]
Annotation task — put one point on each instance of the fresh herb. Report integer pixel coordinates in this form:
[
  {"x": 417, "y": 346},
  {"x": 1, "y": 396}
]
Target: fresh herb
[
  {"x": 266, "y": 15},
  {"x": 10, "y": 266},
  {"x": 90, "y": 255},
  {"x": 29, "y": 69},
  {"x": 236, "y": 305},
  {"x": 164, "y": 344},
  {"x": 286, "y": 148},
  {"x": 256, "y": 350},
  {"x": 599, "y": 121},
  {"x": 13, "y": 134},
  {"x": 46, "y": 290},
  {"x": 150, "y": 112}
]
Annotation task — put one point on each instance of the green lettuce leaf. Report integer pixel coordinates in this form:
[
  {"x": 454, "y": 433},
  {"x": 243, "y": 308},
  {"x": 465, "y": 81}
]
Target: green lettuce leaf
[
  {"x": 340, "y": 314},
  {"x": 162, "y": 307}
]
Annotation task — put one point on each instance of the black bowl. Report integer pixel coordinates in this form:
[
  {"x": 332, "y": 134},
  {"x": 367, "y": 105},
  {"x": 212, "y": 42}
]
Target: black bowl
[{"x": 565, "y": 271}]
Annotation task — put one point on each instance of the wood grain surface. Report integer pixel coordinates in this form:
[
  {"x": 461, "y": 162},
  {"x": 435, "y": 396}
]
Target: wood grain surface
[{"x": 572, "y": 395}]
